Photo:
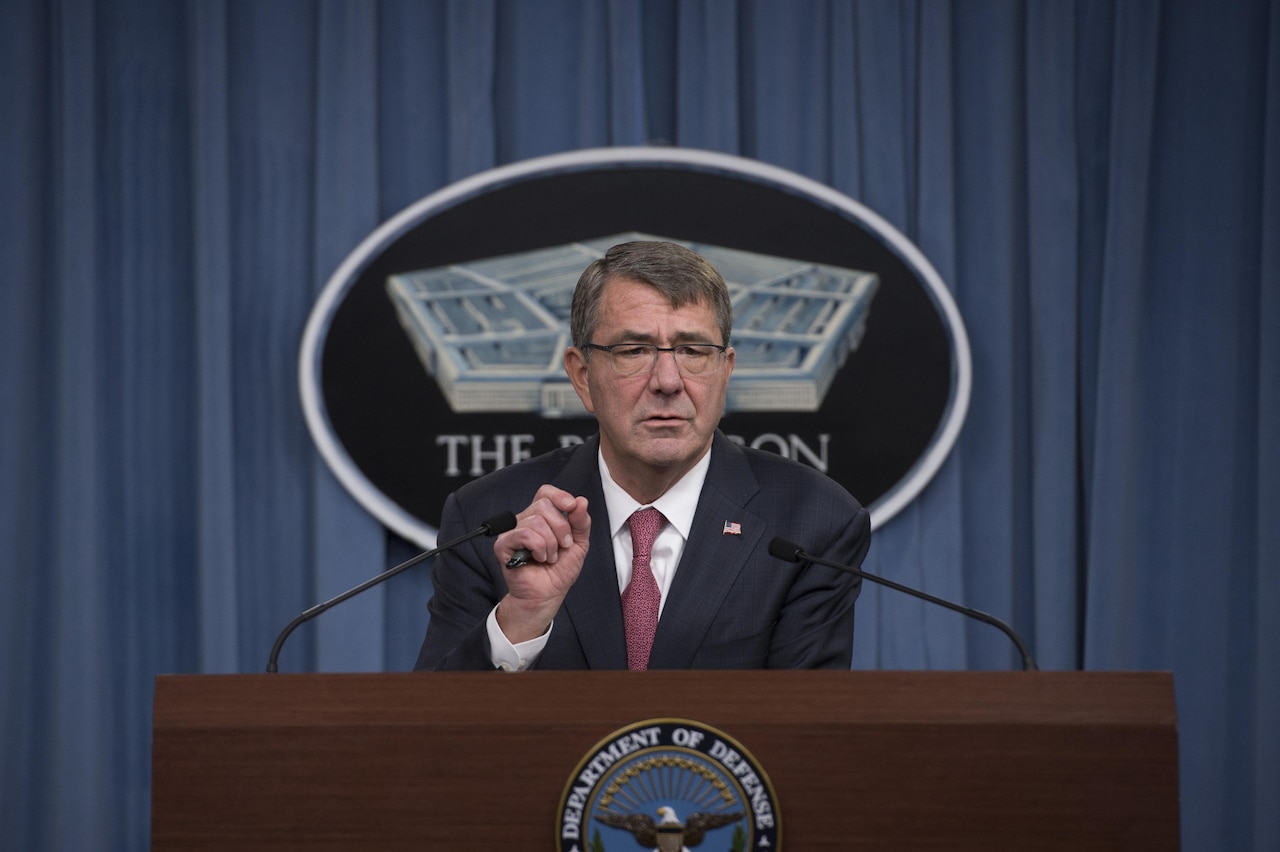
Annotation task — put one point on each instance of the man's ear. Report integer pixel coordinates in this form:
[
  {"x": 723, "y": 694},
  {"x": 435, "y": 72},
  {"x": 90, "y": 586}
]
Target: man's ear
[{"x": 575, "y": 367}]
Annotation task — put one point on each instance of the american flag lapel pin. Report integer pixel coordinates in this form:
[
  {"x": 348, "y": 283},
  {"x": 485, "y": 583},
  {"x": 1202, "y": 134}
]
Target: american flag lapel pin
[{"x": 732, "y": 528}]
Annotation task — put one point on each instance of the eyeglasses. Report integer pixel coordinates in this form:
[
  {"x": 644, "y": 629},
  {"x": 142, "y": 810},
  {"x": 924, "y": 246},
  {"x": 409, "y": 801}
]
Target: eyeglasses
[{"x": 631, "y": 359}]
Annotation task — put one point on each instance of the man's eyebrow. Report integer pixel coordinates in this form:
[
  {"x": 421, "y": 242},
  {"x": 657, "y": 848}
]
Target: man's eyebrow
[{"x": 629, "y": 336}]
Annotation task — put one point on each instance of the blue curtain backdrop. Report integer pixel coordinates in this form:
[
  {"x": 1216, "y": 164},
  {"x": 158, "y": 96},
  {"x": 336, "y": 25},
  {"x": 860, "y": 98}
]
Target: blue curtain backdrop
[{"x": 1098, "y": 182}]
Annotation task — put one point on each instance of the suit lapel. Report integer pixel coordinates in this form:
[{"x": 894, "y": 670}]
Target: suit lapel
[
  {"x": 712, "y": 559},
  {"x": 593, "y": 604}
]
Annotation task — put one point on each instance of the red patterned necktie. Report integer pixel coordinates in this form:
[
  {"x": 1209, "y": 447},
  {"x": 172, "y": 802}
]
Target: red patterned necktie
[{"x": 640, "y": 600}]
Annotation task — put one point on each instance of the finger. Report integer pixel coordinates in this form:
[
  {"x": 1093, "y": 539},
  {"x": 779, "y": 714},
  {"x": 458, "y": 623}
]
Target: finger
[
  {"x": 579, "y": 520},
  {"x": 541, "y": 532},
  {"x": 550, "y": 508}
]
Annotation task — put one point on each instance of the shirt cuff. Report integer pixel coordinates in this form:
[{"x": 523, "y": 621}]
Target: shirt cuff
[{"x": 508, "y": 657}]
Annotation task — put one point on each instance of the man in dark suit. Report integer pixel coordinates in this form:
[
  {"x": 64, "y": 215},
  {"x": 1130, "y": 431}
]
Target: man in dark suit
[{"x": 646, "y": 546}]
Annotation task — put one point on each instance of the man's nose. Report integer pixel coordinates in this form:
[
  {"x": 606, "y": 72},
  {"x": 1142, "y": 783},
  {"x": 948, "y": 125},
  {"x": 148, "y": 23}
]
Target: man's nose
[{"x": 665, "y": 374}]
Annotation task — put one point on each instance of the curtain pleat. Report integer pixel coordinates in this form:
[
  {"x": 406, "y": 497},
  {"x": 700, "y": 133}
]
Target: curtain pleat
[
  {"x": 214, "y": 556},
  {"x": 1262, "y": 695},
  {"x": 1260, "y": 690},
  {"x": 707, "y": 90},
  {"x": 26, "y": 443},
  {"x": 933, "y": 228},
  {"x": 349, "y": 543},
  {"x": 82, "y": 506},
  {"x": 1115, "y": 594},
  {"x": 624, "y": 74},
  {"x": 472, "y": 59},
  {"x": 1052, "y": 324},
  {"x": 413, "y": 102},
  {"x": 991, "y": 267},
  {"x": 1097, "y": 183},
  {"x": 272, "y": 86}
]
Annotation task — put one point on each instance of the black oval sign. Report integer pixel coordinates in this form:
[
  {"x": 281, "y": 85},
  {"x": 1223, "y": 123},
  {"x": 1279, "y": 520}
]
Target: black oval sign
[{"x": 425, "y": 362}]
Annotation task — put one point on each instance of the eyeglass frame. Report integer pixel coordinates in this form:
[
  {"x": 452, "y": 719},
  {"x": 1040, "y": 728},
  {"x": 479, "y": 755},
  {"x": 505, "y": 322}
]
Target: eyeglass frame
[{"x": 657, "y": 353}]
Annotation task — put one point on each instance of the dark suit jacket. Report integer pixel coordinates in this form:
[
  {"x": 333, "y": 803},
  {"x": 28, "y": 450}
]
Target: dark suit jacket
[{"x": 731, "y": 605}]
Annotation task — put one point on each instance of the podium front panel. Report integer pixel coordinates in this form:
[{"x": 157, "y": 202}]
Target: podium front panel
[{"x": 858, "y": 760}]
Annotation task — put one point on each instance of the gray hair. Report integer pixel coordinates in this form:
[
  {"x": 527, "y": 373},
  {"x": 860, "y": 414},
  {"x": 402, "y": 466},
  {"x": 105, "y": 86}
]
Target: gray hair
[{"x": 682, "y": 276}]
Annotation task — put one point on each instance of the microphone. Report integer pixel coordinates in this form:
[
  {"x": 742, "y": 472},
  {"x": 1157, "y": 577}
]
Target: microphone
[
  {"x": 496, "y": 525},
  {"x": 791, "y": 552}
]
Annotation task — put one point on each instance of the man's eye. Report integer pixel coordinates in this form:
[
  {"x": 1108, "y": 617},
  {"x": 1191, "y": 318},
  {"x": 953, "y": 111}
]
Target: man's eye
[{"x": 631, "y": 352}]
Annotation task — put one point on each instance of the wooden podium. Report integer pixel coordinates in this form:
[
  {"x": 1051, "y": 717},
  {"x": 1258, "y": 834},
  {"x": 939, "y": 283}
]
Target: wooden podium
[{"x": 858, "y": 760}]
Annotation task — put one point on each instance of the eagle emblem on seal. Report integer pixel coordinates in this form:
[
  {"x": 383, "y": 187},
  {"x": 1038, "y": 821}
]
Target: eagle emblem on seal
[{"x": 669, "y": 834}]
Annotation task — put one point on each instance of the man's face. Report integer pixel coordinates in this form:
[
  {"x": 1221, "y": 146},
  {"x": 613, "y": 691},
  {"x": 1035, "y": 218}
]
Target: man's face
[{"x": 656, "y": 425}]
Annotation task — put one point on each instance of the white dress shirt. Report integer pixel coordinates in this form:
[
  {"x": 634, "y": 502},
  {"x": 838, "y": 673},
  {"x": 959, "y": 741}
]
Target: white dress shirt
[{"x": 677, "y": 505}]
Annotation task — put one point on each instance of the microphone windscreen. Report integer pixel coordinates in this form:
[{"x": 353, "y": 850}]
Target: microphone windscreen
[
  {"x": 499, "y": 523},
  {"x": 783, "y": 549}
]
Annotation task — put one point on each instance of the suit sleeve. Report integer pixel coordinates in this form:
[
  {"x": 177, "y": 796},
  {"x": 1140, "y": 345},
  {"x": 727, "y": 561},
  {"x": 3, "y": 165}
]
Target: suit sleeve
[
  {"x": 467, "y": 585},
  {"x": 815, "y": 623}
]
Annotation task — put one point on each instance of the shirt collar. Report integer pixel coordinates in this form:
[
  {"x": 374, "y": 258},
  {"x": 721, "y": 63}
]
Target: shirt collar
[{"x": 677, "y": 505}]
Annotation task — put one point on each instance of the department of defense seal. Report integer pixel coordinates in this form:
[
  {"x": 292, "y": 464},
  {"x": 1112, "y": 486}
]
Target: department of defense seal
[{"x": 670, "y": 785}]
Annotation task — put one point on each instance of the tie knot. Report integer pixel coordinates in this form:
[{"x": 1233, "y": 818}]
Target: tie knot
[{"x": 644, "y": 524}]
